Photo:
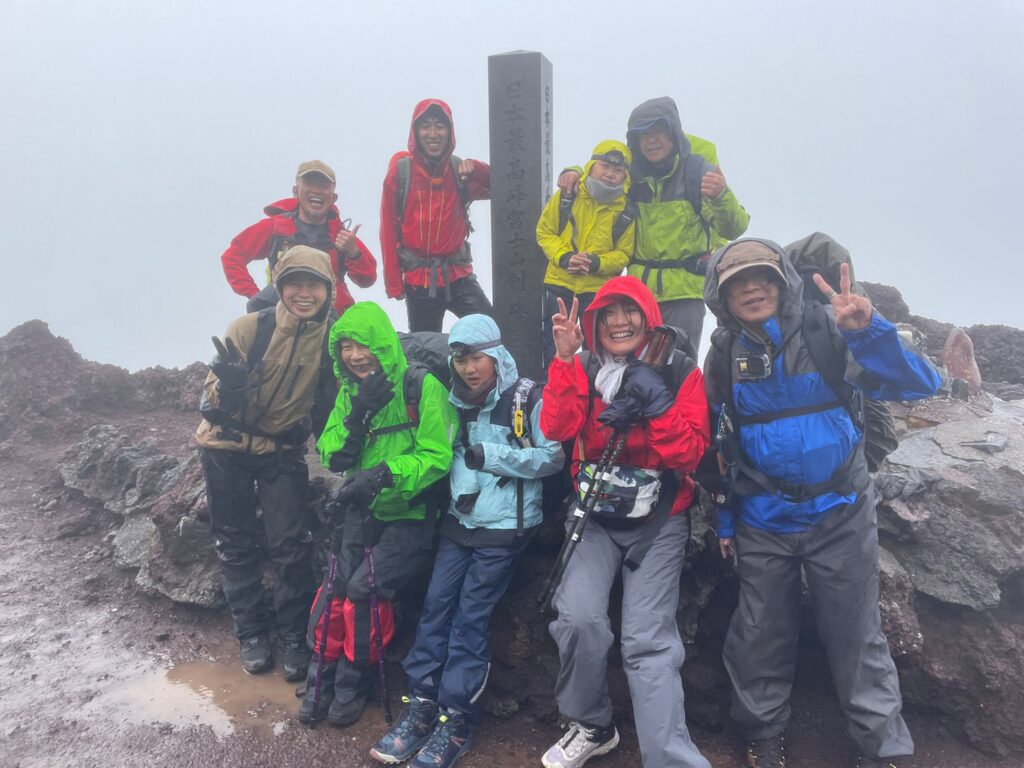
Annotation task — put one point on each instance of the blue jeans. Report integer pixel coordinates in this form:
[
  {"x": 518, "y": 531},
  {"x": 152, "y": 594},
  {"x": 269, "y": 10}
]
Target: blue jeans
[{"x": 451, "y": 656}]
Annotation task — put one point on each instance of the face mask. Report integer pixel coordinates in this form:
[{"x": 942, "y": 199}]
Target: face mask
[{"x": 601, "y": 192}]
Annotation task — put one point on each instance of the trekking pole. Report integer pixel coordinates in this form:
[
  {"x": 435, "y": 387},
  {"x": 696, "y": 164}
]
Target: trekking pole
[
  {"x": 327, "y": 592},
  {"x": 382, "y": 677},
  {"x": 658, "y": 350},
  {"x": 582, "y": 515}
]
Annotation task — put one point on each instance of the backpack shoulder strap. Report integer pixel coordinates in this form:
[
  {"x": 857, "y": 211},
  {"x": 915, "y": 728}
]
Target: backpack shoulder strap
[
  {"x": 524, "y": 399},
  {"x": 693, "y": 167},
  {"x": 829, "y": 358},
  {"x": 266, "y": 322},
  {"x": 404, "y": 167},
  {"x": 412, "y": 389},
  {"x": 623, "y": 220},
  {"x": 460, "y": 184},
  {"x": 721, "y": 362},
  {"x": 564, "y": 210}
]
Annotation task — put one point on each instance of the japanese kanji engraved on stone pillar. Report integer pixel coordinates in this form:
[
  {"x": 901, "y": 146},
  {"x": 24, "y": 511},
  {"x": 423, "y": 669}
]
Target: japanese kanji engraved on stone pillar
[{"x": 521, "y": 182}]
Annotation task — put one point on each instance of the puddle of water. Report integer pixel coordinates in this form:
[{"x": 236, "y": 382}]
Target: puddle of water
[{"x": 212, "y": 692}]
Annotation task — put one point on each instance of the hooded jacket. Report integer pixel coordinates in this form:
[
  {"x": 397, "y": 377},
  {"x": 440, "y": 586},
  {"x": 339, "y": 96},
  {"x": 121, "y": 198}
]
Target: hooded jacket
[
  {"x": 675, "y": 440},
  {"x": 434, "y": 220},
  {"x": 285, "y": 381},
  {"x": 274, "y": 235},
  {"x": 807, "y": 448},
  {"x": 489, "y": 425},
  {"x": 667, "y": 227},
  {"x": 589, "y": 230},
  {"x": 417, "y": 456}
]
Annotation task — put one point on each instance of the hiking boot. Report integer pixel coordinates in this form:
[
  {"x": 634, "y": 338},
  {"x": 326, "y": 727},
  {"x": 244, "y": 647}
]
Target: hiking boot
[
  {"x": 875, "y": 762},
  {"x": 767, "y": 753},
  {"x": 579, "y": 744},
  {"x": 352, "y": 687},
  {"x": 449, "y": 741},
  {"x": 307, "y": 712},
  {"x": 409, "y": 733},
  {"x": 256, "y": 654},
  {"x": 296, "y": 660}
]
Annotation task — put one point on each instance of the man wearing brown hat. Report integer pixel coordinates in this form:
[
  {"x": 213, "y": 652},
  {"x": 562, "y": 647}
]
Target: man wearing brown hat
[
  {"x": 785, "y": 379},
  {"x": 309, "y": 217}
]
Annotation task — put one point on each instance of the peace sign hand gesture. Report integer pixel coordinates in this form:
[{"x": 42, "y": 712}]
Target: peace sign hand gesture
[
  {"x": 566, "y": 331},
  {"x": 853, "y": 312}
]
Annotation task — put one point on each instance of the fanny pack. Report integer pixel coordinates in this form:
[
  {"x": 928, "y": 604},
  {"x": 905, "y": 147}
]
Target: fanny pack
[{"x": 627, "y": 493}]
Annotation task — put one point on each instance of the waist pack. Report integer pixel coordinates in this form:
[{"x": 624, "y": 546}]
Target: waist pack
[{"x": 627, "y": 493}]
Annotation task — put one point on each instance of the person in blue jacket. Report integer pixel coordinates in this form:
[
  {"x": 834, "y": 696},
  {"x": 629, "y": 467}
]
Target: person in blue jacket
[
  {"x": 799, "y": 495},
  {"x": 500, "y": 455}
]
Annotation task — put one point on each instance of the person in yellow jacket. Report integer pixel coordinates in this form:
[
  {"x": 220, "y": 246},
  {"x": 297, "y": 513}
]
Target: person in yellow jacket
[{"x": 587, "y": 237}]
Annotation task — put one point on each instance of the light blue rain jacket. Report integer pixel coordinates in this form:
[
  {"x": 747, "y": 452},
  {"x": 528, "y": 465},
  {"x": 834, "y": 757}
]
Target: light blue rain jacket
[{"x": 504, "y": 460}]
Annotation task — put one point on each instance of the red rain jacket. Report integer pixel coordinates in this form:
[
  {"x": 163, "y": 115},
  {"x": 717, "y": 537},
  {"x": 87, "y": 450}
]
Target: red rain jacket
[
  {"x": 677, "y": 439},
  {"x": 434, "y": 224},
  {"x": 255, "y": 243}
]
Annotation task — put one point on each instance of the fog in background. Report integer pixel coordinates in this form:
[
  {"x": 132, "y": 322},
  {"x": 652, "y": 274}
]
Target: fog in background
[{"x": 139, "y": 137}]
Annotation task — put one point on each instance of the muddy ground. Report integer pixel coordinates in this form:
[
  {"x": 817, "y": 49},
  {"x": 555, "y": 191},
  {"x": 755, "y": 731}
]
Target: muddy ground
[{"x": 94, "y": 673}]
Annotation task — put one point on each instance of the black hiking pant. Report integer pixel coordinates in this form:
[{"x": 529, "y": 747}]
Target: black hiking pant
[
  {"x": 464, "y": 297},
  {"x": 237, "y": 486}
]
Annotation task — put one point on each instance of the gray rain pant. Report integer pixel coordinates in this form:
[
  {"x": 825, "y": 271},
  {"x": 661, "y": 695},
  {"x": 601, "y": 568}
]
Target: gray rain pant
[
  {"x": 840, "y": 559},
  {"x": 687, "y": 314},
  {"x": 652, "y": 650}
]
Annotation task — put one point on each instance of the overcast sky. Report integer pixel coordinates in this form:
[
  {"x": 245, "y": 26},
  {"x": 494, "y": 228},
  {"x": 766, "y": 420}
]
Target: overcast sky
[{"x": 139, "y": 136}]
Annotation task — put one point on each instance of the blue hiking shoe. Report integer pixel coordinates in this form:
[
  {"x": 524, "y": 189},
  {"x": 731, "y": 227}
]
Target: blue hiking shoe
[
  {"x": 408, "y": 734},
  {"x": 447, "y": 743}
]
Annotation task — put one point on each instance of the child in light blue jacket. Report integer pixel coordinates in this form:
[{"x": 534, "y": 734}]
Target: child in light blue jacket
[{"x": 500, "y": 457}]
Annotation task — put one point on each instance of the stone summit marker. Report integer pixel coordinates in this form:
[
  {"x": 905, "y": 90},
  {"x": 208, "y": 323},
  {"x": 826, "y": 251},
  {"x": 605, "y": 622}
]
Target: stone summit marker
[{"x": 519, "y": 85}]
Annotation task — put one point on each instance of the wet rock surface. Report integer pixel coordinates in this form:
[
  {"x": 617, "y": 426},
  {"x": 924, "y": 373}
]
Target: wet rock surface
[{"x": 130, "y": 497}]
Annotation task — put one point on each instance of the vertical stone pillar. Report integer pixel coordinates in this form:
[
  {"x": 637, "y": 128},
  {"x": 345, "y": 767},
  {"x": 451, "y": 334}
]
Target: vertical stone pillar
[{"x": 522, "y": 179}]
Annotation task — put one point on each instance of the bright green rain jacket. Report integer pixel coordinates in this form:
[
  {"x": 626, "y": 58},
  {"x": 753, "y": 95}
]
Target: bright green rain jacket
[
  {"x": 417, "y": 456},
  {"x": 667, "y": 227}
]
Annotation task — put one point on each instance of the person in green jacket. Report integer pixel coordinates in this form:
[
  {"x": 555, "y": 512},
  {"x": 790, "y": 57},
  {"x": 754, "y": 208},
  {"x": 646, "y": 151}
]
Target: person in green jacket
[
  {"x": 684, "y": 211},
  {"x": 587, "y": 237},
  {"x": 392, "y": 449}
]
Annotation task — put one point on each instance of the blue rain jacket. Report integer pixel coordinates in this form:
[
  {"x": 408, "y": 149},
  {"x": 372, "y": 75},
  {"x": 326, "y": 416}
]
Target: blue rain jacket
[
  {"x": 503, "y": 458},
  {"x": 806, "y": 448}
]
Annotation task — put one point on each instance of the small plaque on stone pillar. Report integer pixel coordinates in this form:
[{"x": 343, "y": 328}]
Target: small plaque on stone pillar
[{"x": 521, "y": 183}]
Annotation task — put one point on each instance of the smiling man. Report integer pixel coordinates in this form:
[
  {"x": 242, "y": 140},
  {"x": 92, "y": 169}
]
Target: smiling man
[
  {"x": 424, "y": 222},
  {"x": 683, "y": 208},
  {"x": 797, "y": 494},
  {"x": 253, "y": 442},
  {"x": 309, "y": 217}
]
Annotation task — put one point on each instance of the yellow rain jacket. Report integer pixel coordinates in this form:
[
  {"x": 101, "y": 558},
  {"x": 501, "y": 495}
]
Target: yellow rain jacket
[{"x": 589, "y": 230}]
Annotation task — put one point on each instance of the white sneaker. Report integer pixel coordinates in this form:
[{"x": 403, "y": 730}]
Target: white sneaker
[{"x": 579, "y": 744}]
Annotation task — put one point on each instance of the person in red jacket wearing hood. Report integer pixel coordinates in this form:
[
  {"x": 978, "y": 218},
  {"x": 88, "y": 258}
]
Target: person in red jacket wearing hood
[
  {"x": 309, "y": 217},
  {"x": 636, "y": 528},
  {"x": 424, "y": 222}
]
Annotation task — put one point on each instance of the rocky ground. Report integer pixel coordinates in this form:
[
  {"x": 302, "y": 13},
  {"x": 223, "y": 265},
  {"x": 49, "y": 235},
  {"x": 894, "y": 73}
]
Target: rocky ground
[{"x": 99, "y": 666}]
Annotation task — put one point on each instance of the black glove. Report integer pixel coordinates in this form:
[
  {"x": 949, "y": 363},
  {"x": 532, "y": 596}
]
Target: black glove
[
  {"x": 297, "y": 434},
  {"x": 474, "y": 457},
  {"x": 346, "y": 458},
  {"x": 361, "y": 487},
  {"x": 227, "y": 366},
  {"x": 643, "y": 395},
  {"x": 374, "y": 393}
]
